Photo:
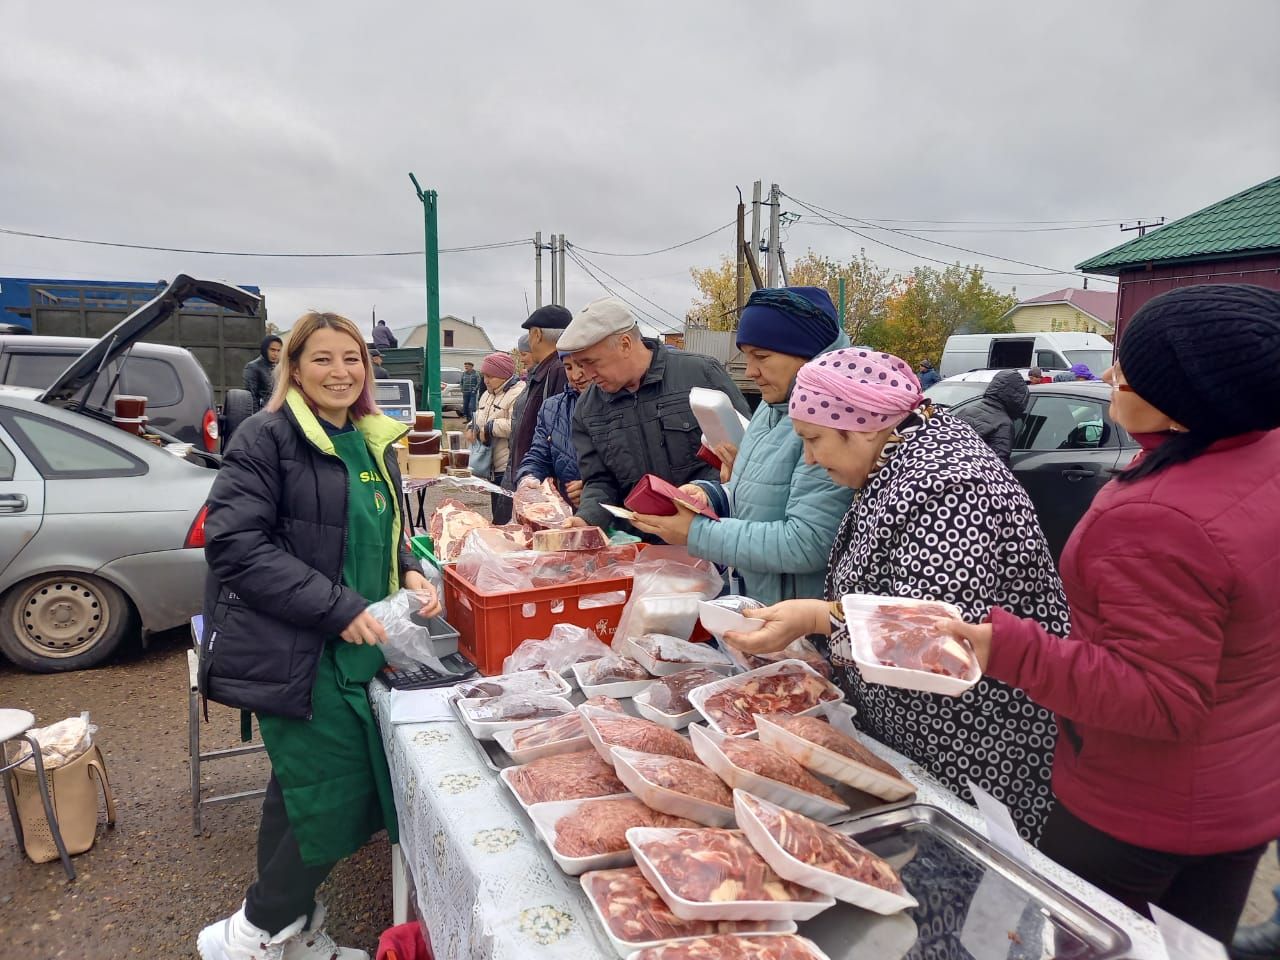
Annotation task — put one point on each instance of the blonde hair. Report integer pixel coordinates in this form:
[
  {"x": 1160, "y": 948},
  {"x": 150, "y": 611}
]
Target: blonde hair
[{"x": 291, "y": 359}]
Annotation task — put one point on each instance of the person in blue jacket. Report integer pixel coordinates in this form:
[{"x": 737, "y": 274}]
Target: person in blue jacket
[
  {"x": 779, "y": 515},
  {"x": 552, "y": 453}
]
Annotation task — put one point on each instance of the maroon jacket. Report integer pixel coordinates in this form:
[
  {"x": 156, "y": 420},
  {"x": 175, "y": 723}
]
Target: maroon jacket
[{"x": 1168, "y": 689}]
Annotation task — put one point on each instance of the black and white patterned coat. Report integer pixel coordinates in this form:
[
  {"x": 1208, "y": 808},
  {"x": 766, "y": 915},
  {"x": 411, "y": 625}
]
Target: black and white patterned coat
[{"x": 942, "y": 518}]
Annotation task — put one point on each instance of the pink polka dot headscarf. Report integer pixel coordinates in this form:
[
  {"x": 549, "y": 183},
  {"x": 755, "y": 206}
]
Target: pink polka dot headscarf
[{"x": 858, "y": 390}]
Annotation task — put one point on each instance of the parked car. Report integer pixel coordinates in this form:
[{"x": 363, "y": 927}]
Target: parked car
[
  {"x": 1065, "y": 448},
  {"x": 451, "y": 390},
  {"x": 963, "y": 386},
  {"x": 100, "y": 529},
  {"x": 179, "y": 395}
]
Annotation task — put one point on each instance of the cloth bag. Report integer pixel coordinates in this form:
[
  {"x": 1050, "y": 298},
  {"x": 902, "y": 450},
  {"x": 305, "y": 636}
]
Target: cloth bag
[
  {"x": 481, "y": 462},
  {"x": 74, "y": 795}
]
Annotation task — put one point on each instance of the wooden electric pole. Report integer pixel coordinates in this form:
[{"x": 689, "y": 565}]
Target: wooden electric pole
[{"x": 741, "y": 259}]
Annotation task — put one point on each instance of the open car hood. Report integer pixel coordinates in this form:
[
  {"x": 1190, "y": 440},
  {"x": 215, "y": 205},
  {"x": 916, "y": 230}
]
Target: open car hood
[{"x": 79, "y": 378}]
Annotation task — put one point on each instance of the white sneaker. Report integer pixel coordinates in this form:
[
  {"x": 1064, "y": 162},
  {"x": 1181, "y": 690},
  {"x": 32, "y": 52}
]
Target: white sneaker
[
  {"x": 237, "y": 939},
  {"x": 316, "y": 944}
]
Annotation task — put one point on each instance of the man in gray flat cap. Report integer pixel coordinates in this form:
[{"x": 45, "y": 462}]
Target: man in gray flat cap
[
  {"x": 635, "y": 417},
  {"x": 545, "y": 377}
]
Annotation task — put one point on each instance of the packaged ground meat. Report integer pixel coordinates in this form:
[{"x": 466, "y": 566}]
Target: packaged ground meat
[
  {"x": 784, "y": 946},
  {"x": 816, "y": 744},
  {"x": 606, "y": 729},
  {"x": 565, "y": 776},
  {"x": 775, "y": 765},
  {"x": 686, "y": 777},
  {"x": 818, "y": 856},
  {"x": 786, "y": 687},
  {"x": 670, "y": 694},
  {"x": 600, "y": 826},
  {"x": 566, "y": 727},
  {"x": 634, "y": 913}
]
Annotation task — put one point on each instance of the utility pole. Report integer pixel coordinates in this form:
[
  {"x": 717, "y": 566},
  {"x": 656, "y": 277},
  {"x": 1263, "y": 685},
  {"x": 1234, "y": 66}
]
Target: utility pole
[
  {"x": 774, "y": 207},
  {"x": 782, "y": 262},
  {"x": 555, "y": 288},
  {"x": 537, "y": 268},
  {"x": 561, "y": 300},
  {"x": 841, "y": 307},
  {"x": 755, "y": 226},
  {"x": 740, "y": 259},
  {"x": 1142, "y": 227},
  {"x": 430, "y": 203}
]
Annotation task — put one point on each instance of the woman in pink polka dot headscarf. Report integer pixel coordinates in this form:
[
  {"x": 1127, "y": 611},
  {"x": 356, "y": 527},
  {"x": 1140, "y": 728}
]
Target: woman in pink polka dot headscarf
[{"x": 938, "y": 516}]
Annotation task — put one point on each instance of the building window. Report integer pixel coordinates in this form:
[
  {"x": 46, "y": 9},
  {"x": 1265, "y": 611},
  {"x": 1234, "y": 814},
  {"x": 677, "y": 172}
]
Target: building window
[{"x": 448, "y": 338}]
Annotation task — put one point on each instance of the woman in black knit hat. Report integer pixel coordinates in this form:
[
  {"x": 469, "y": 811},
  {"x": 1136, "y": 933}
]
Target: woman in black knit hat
[{"x": 1167, "y": 770}]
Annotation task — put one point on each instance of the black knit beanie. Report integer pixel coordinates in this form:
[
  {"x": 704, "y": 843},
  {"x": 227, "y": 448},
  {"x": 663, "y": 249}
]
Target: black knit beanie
[{"x": 1208, "y": 356}]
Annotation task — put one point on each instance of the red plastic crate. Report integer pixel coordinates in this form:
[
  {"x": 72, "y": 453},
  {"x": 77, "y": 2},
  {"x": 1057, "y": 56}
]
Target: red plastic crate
[{"x": 492, "y": 625}]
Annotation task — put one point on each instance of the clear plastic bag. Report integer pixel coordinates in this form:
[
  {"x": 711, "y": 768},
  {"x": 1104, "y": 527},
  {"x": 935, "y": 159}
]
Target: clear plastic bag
[
  {"x": 661, "y": 573},
  {"x": 60, "y": 742},
  {"x": 565, "y": 646},
  {"x": 674, "y": 650},
  {"x": 409, "y": 637}
]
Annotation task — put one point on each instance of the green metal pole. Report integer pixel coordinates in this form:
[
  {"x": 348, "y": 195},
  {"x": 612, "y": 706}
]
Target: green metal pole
[
  {"x": 841, "y": 313},
  {"x": 430, "y": 203}
]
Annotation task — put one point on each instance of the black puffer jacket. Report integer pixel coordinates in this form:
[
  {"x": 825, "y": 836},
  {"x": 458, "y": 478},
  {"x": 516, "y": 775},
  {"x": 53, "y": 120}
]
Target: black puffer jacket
[
  {"x": 1004, "y": 401},
  {"x": 275, "y": 538},
  {"x": 259, "y": 374}
]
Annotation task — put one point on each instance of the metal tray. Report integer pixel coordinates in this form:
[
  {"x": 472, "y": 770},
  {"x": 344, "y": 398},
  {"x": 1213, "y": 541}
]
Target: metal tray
[{"x": 976, "y": 903}]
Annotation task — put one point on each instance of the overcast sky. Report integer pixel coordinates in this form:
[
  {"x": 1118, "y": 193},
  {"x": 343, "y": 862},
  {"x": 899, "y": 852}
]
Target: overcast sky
[{"x": 290, "y": 127}]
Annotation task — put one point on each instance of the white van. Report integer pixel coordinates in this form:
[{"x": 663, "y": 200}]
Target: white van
[{"x": 1007, "y": 351}]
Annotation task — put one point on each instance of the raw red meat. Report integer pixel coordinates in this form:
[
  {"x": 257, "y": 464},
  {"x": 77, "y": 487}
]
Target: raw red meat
[
  {"x": 516, "y": 706},
  {"x": 600, "y": 826},
  {"x": 568, "y": 727},
  {"x": 636, "y": 913},
  {"x": 450, "y": 523},
  {"x": 510, "y": 538},
  {"x": 565, "y": 776},
  {"x": 823, "y": 734},
  {"x": 801, "y": 649},
  {"x": 775, "y": 765},
  {"x": 613, "y": 669},
  {"x": 788, "y": 690},
  {"x": 728, "y": 947},
  {"x": 715, "y": 866},
  {"x": 532, "y": 681},
  {"x": 671, "y": 694},
  {"x": 819, "y": 846},
  {"x": 909, "y": 636},
  {"x": 571, "y": 539},
  {"x": 541, "y": 506},
  {"x": 674, "y": 650},
  {"x": 683, "y": 776},
  {"x": 637, "y": 734}
]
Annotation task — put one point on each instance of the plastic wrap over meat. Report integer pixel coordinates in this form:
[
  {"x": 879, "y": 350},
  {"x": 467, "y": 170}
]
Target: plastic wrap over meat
[
  {"x": 600, "y": 826},
  {"x": 566, "y": 646},
  {"x": 509, "y": 538},
  {"x": 817, "y": 845},
  {"x": 613, "y": 669},
  {"x": 559, "y": 729},
  {"x": 686, "y": 580},
  {"x": 674, "y": 650},
  {"x": 487, "y": 563},
  {"x": 775, "y": 765},
  {"x": 565, "y": 776},
  {"x": 801, "y": 649},
  {"x": 911, "y": 637},
  {"x": 619, "y": 730},
  {"x": 671, "y": 694},
  {"x": 781, "y": 946},
  {"x": 531, "y": 681},
  {"x": 820, "y": 732},
  {"x": 540, "y": 505},
  {"x": 450, "y": 523},
  {"x": 789, "y": 690},
  {"x": 516, "y": 706},
  {"x": 571, "y": 539},
  {"x": 713, "y": 866},
  {"x": 636, "y": 913},
  {"x": 687, "y": 777}
]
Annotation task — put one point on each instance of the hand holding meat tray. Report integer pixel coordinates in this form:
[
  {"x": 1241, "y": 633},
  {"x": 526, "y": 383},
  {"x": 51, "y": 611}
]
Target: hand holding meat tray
[{"x": 898, "y": 642}]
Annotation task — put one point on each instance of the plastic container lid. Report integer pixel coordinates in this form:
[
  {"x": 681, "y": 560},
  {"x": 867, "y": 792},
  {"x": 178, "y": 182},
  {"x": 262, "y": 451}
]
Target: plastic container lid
[
  {"x": 858, "y": 612},
  {"x": 665, "y": 799}
]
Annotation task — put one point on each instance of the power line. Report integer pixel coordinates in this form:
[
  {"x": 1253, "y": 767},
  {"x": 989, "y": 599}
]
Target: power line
[
  {"x": 927, "y": 220},
  {"x": 623, "y": 283},
  {"x": 657, "y": 323},
  {"x": 241, "y": 253},
  {"x": 674, "y": 246},
  {"x": 1090, "y": 226}
]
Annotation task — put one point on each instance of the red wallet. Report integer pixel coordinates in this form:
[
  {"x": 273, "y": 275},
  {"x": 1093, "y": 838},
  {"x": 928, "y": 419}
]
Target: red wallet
[
  {"x": 657, "y": 497},
  {"x": 708, "y": 456}
]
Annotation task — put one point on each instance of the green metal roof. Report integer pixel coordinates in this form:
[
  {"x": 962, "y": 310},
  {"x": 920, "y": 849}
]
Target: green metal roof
[{"x": 1248, "y": 221}]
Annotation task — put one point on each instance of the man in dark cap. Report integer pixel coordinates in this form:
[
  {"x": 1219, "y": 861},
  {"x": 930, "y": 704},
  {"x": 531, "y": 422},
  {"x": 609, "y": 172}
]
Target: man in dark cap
[
  {"x": 928, "y": 376},
  {"x": 259, "y": 373},
  {"x": 379, "y": 371},
  {"x": 469, "y": 384},
  {"x": 546, "y": 378}
]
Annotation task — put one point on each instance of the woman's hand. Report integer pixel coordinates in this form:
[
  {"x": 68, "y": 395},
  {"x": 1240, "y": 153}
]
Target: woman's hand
[
  {"x": 365, "y": 628},
  {"x": 979, "y": 637},
  {"x": 415, "y": 581},
  {"x": 727, "y": 452},
  {"x": 784, "y": 623},
  {"x": 673, "y": 529},
  {"x": 696, "y": 495},
  {"x": 574, "y": 489}
]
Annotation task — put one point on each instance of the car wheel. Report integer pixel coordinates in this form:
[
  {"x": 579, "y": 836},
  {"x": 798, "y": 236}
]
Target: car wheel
[
  {"x": 62, "y": 621},
  {"x": 237, "y": 407}
]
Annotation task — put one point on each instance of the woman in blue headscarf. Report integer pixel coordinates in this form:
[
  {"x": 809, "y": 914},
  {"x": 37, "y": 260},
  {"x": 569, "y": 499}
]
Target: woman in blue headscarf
[{"x": 779, "y": 515}]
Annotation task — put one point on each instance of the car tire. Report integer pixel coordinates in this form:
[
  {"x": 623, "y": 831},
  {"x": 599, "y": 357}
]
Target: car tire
[
  {"x": 237, "y": 407},
  {"x": 61, "y": 621}
]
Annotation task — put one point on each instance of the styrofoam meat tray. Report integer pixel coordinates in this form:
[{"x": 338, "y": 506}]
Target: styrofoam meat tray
[
  {"x": 486, "y": 729},
  {"x": 538, "y": 681},
  {"x": 619, "y": 689},
  {"x": 719, "y": 617},
  {"x": 505, "y": 776},
  {"x": 664, "y": 799},
  {"x": 698, "y": 696},
  {"x": 676, "y": 721},
  {"x": 505, "y": 739},
  {"x": 827, "y": 762},
  {"x": 546, "y": 815},
  {"x": 814, "y": 951},
  {"x": 666, "y": 668},
  {"x": 706, "y": 744},
  {"x": 790, "y": 868},
  {"x": 859, "y": 611},
  {"x": 797, "y": 910}
]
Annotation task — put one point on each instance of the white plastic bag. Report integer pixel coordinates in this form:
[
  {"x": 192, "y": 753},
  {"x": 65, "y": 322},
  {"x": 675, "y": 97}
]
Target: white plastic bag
[
  {"x": 566, "y": 646},
  {"x": 682, "y": 578},
  {"x": 60, "y": 742},
  {"x": 408, "y": 636}
]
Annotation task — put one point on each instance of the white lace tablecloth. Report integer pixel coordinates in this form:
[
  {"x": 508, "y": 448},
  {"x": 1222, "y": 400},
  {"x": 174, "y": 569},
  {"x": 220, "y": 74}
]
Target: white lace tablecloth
[{"x": 488, "y": 888}]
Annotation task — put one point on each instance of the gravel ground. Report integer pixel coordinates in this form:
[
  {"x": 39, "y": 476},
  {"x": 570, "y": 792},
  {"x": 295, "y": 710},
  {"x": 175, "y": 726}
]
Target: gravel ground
[{"x": 148, "y": 886}]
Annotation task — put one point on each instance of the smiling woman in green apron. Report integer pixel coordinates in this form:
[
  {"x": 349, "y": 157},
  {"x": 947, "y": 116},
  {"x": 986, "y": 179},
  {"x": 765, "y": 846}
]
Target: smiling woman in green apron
[{"x": 303, "y": 533}]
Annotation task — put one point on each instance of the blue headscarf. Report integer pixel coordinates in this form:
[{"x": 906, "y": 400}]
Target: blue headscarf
[{"x": 797, "y": 321}]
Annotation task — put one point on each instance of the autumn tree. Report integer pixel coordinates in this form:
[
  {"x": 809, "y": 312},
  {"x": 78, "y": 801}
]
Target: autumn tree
[{"x": 718, "y": 285}]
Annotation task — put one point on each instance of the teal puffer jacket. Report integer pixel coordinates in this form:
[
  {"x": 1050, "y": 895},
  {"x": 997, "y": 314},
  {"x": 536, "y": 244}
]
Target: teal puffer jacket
[{"x": 784, "y": 514}]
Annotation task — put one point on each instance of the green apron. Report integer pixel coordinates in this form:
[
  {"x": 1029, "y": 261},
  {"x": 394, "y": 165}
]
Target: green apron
[{"x": 331, "y": 768}]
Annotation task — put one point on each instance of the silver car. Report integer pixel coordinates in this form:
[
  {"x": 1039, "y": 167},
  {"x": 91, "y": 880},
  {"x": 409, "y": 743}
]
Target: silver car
[{"x": 100, "y": 530}]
